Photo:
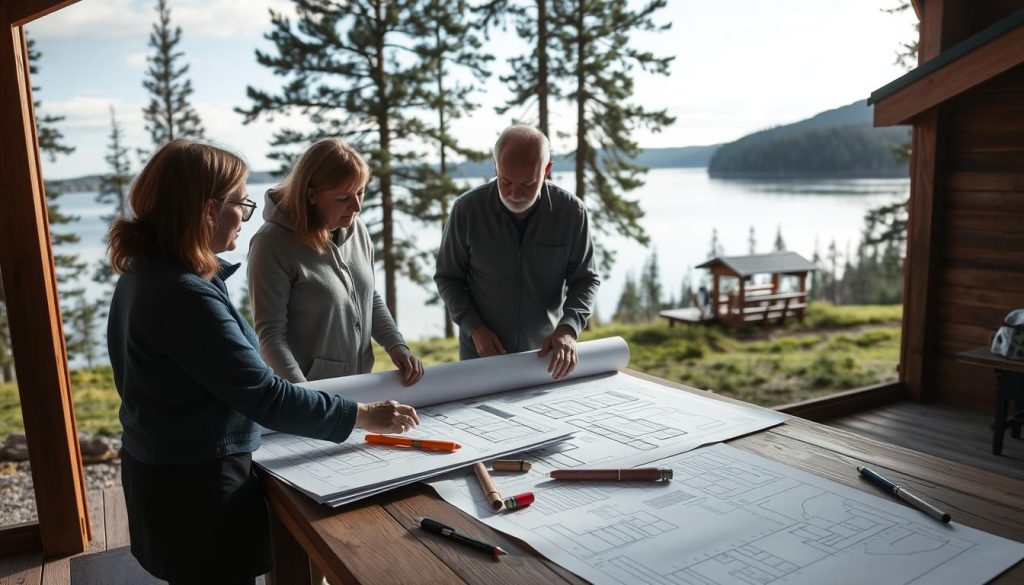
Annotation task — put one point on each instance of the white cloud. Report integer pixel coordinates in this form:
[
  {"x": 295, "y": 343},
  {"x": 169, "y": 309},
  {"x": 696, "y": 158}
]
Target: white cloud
[
  {"x": 136, "y": 60},
  {"x": 92, "y": 112},
  {"x": 122, "y": 19}
]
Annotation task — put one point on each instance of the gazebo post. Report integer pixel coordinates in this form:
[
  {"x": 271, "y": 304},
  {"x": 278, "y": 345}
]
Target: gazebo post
[
  {"x": 714, "y": 294},
  {"x": 776, "y": 283}
]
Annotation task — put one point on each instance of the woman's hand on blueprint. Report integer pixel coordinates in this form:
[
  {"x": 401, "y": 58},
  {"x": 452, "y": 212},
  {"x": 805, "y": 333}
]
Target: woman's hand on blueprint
[
  {"x": 409, "y": 366},
  {"x": 386, "y": 416}
]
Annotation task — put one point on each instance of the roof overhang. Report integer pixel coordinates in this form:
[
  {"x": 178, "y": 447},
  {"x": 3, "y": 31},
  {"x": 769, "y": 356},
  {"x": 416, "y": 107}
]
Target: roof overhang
[
  {"x": 22, "y": 12},
  {"x": 967, "y": 64}
]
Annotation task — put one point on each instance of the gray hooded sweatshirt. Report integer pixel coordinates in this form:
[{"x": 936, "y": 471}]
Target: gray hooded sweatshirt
[{"x": 315, "y": 313}]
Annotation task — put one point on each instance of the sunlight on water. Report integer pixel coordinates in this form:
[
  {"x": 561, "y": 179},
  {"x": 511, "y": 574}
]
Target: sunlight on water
[{"x": 682, "y": 206}]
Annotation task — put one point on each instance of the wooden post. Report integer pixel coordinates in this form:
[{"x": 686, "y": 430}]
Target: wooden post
[
  {"x": 776, "y": 283},
  {"x": 742, "y": 305},
  {"x": 714, "y": 294},
  {"x": 942, "y": 24},
  {"x": 30, "y": 285}
]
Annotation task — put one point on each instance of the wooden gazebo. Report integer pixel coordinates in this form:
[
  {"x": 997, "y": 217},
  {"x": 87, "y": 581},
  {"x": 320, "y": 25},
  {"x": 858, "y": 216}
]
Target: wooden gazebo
[{"x": 747, "y": 302}]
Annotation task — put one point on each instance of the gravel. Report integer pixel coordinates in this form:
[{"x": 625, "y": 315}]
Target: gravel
[{"x": 18, "y": 501}]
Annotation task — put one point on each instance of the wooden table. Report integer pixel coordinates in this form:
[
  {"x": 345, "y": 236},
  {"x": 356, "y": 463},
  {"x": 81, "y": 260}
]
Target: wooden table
[
  {"x": 377, "y": 540},
  {"x": 1009, "y": 388}
]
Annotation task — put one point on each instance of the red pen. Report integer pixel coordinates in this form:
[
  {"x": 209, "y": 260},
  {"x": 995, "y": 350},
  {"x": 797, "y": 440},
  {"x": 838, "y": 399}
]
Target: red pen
[{"x": 637, "y": 474}]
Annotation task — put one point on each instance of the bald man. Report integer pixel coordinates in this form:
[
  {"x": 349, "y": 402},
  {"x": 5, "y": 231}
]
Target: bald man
[{"x": 516, "y": 264}]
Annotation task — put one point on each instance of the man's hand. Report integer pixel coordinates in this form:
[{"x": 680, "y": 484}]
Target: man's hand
[
  {"x": 562, "y": 345},
  {"x": 486, "y": 342},
  {"x": 386, "y": 416},
  {"x": 409, "y": 365}
]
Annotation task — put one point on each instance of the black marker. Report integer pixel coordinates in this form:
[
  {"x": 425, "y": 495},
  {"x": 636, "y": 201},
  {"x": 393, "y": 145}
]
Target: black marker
[{"x": 431, "y": 525}]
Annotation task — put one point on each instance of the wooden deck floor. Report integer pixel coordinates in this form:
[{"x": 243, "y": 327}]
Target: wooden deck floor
[
  {"x": 109, "y": 530},
  {"x": 939, "y": 430}
]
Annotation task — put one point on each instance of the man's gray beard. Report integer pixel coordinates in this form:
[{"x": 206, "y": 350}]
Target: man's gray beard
[{"x": 505, "y": 203}]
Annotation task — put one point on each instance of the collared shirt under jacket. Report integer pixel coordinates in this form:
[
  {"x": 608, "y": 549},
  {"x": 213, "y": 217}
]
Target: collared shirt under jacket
[{"x": 521, "y": 290}]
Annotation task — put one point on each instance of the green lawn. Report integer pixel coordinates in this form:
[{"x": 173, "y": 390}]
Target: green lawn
[{"x": 836, "y": 348}]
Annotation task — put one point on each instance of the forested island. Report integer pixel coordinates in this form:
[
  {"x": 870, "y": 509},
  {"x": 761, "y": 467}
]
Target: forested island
[{"x": 836, "y": 143}]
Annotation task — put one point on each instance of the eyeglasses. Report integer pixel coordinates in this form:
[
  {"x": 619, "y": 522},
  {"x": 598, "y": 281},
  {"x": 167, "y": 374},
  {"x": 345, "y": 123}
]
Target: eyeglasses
[{"x": 248, "y": 207}]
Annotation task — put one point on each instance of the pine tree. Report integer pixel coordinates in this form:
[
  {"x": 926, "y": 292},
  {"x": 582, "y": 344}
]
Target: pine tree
[
  {"x": 530, "y": 79},
  {"x": 686, "y": 292},
  {"x": 630, "y": 307},
  {"x": 650, "y": 288},
  {"x": 113, "y": 188},
  {"x": 69, "y": 266},
  {"x": 715, "y": 249},
  {"x": 780, "y": 244},
  {"x": 833, "y": 261},
  {"x": 751, "y": 242},
  {"x": 6, "y": 353},
  {"x": 592, "y": 53},
  {"x": 451, "y": 42},
  {"x": 85, "y": 343},
  {"x": 351, "y": 71},
  {"x": 169, "y": 114}
]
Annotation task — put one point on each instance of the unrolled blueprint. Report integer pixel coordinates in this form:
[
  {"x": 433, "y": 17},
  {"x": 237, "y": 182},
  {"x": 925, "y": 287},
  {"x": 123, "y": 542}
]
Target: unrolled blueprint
[
  {"x": 732, "y": 517},
  {"x": 336, "y": 473}
]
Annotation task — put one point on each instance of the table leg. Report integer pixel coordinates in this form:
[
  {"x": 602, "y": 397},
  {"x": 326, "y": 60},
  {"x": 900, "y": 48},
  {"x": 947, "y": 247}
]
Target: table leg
[
  {"x": 1001, "y": 403},
  {"x": 292, "y": 563}
]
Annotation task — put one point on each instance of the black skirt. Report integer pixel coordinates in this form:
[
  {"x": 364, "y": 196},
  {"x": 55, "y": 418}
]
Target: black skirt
[{"x": 198, "y": 522}]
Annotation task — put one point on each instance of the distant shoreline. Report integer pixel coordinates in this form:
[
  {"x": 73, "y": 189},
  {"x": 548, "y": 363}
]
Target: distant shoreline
[
  {"x": 91, "y": 183},
  {"x": 896, "y": 174}
]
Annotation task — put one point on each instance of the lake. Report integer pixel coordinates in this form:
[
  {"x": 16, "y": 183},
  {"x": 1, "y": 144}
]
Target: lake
[{"x": 682, "y": 207}]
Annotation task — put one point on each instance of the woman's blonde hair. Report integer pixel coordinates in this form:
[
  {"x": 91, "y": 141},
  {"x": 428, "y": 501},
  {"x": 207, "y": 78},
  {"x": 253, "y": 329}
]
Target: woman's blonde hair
[
  {"x": 326, "y": 164},
  {"x": 168, "y": 202}
]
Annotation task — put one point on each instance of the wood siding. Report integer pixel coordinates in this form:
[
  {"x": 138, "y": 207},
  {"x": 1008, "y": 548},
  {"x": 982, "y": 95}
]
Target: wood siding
[{"x": 979, "y": 265}]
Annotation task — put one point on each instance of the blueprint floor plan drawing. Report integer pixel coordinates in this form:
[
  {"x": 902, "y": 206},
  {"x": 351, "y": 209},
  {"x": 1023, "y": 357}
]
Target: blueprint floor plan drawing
[
  {"x": 732, "y": 517},
  {"x": 333, "y": 473}
]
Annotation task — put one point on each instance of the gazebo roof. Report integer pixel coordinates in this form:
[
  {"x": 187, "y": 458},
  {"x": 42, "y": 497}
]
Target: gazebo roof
[{"x": 774, "y": 263}]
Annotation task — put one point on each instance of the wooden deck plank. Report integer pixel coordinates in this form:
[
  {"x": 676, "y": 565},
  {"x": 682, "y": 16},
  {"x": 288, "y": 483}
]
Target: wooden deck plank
[
  {"x": 58, "y": 571},
  {"x": 23, "y": 569},
  {"x": 915, "y": 426},
  {"x": 115, "y": 517}
]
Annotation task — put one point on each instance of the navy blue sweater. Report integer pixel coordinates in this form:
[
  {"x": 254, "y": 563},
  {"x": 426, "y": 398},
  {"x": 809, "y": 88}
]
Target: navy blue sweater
[{"x": 192, "y": 383}]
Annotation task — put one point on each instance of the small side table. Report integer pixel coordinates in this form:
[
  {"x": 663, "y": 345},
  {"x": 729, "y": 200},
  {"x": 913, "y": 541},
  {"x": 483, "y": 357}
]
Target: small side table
[{"x": 1009, "y": 388}]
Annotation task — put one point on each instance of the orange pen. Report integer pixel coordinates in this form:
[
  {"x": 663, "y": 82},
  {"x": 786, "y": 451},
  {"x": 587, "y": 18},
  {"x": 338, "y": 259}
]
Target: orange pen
[{"x": 429, "y": 444}]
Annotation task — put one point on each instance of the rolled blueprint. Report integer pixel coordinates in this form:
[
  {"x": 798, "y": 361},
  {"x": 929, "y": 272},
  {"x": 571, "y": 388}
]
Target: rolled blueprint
[{"x": 479, "y": 377}]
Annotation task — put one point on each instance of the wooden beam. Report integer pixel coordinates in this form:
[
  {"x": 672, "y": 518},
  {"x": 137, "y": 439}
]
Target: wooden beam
[
  {"x": 975, "y": 67},
  {"x": 22, "y": 12},
  {"x": 844, "y": 403},
  {"x": 19, "y": 538},
  {"x": 919, "y": 274},
  {"x": 37, "y": 335}
]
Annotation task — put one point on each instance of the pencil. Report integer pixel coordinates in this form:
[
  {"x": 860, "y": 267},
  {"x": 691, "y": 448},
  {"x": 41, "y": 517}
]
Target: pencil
[{"x": 487, "y": 484}]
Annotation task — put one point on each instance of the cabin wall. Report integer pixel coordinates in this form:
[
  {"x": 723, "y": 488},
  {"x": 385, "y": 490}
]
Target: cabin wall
[{"x": 979, "y": 245}]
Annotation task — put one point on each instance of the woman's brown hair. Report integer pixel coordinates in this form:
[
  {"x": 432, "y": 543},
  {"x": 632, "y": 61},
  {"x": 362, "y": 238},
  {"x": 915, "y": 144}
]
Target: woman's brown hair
[
  {"x": 326, "y": 164},
  {"x": 168, "y": 201}
]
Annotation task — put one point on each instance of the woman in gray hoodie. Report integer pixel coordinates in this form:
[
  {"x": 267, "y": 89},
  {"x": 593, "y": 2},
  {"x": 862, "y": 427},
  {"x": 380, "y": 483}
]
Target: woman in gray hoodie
[{"x": 311, "y": 277}]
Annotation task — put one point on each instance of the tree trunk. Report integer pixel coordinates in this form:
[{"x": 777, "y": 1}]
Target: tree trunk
[
  {"x": 386, "y": 201},
  {"x": 542, "y": 65},
  {"x": 581, "y": 103},
  {"x": 449, "y": 330}
]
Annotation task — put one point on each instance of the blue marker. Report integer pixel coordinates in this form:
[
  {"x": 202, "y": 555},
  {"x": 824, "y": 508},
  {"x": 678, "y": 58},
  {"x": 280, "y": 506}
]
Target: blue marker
[{"x": 903, "y": 494}]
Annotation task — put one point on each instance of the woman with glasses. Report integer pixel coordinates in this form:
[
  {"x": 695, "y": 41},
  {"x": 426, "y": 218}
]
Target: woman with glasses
[
  {"x": 192, "y": 384},
  {"x": 311, "y": 277}
]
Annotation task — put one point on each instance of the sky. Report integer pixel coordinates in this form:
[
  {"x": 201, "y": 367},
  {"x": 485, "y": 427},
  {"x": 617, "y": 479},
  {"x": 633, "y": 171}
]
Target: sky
[{"x": 740, "y": 66}]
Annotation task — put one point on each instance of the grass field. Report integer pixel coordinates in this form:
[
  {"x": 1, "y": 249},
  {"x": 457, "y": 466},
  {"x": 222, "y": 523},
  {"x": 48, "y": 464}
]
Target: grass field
[{"x": 836, "y": 348}]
